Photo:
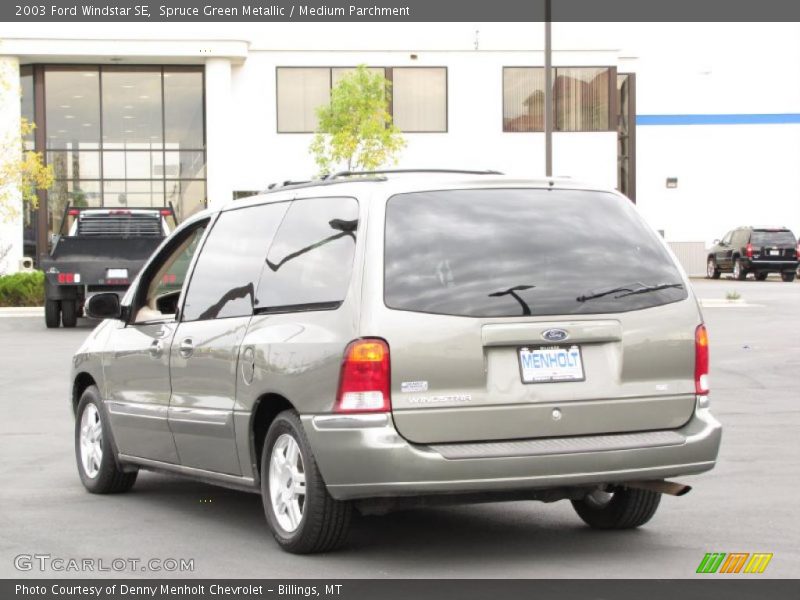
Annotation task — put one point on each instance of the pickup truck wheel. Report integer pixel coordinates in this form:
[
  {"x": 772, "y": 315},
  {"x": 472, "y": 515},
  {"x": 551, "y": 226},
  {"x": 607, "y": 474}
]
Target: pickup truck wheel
[
  {"x": 624, "y": 508},
  {"x": 761, "y": 276},
  {"x": 738, "y": 272},
  {"x": 302, "y": 515},
  {"x": 94, "y": 453},
  {"x": 52, "y": 313},
  {"x": 69, "y": 313},
  {"x": 787, "y": 276}
]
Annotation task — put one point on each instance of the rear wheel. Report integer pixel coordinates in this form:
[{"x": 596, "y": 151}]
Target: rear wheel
[
  {"x": 712, "y": 272},
  {"x": 302, "y": 515},
  {"x": 52, "y": 313},
  {"x": 761, "y": 276},
  {"x": 738, "y": 271},
  {"x": 618, "y": 508},
  {"x": 69, "y": 313},
  {"x": 787, "y": 276}
]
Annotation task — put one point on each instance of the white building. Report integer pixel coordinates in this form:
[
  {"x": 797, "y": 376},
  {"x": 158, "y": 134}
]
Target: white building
[{"x": 196, "y": 114}]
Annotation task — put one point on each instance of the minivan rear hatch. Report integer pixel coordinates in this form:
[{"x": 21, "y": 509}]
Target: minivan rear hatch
[{"x": 525, "y": 313}]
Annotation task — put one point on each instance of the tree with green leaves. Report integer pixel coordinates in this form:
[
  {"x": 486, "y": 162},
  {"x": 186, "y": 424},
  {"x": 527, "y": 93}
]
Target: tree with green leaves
[
  {"x": 22, "y": 171},
  {"x": 355, "y": 131}
]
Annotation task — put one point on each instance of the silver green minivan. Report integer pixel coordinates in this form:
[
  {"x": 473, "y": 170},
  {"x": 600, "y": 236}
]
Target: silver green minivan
[{"x": 377, "y": 341}]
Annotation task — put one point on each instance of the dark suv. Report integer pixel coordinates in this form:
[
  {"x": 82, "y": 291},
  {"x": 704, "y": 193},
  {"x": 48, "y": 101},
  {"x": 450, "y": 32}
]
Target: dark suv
[{"x": 760, "y": 251}]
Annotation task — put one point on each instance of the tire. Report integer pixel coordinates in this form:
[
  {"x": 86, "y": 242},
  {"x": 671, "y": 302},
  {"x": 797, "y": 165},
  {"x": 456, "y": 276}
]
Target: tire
[
  {"x": 761, "y": 276},
  {"x": 69, "y": 313},
  {"x": 739, "y": 272},
  {"x": 323, "y": 522},
  {"x": 52, "y": 313},
  {"x": 787, "y": 276},
  {"x": 712, "y": 271},
  {"x": 625, "y": 509},
  {"x": 101, "y": 476}
]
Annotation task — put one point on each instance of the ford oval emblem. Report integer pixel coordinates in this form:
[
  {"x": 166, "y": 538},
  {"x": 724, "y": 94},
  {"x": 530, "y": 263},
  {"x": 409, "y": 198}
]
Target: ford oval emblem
[{"x": 555, "y": 335}]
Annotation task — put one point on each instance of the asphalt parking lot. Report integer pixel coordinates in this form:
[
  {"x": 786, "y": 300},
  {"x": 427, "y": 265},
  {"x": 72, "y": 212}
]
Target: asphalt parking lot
[{"x": 747, "y": 504}]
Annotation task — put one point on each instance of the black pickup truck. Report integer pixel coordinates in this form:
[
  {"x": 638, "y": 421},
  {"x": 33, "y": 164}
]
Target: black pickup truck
[{"x": 98, "y": 250}]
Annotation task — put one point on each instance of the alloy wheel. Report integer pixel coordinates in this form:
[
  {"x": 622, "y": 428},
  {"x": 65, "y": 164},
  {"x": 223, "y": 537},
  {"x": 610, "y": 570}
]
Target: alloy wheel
[
  {"x": 91, "y": 441},
  {"x": 287, "y": 483}
]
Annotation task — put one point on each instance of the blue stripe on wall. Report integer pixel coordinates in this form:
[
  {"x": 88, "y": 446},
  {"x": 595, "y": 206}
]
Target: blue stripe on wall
[{"x": 744, "y": 119}]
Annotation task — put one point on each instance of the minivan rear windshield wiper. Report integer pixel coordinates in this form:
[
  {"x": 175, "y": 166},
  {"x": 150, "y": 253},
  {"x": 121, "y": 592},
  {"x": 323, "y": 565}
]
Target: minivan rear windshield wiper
[{"x": 629, "y": 291}]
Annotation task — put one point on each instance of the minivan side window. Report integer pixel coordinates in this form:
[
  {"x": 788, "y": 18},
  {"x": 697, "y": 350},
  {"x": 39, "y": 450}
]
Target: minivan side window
[
  {"x": 226, "y": 274},
  {"x": 310, "y": 262},
  {"x": 156, "y": 299}
]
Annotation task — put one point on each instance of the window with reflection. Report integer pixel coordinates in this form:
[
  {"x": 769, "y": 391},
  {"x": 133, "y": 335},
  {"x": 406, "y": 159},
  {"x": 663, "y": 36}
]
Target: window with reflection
[
  {"x": 581, "y": 99},
  {"x": 221, "y": 287},
  {"x": 309, "y": 263}
]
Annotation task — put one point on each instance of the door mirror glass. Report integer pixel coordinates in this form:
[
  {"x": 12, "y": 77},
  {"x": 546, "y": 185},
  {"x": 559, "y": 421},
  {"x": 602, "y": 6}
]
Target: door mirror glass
[
  {"x": 716, "y": 241},
  {"x": 104, "y": 306}
]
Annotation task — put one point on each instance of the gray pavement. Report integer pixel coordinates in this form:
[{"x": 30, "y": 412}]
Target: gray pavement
[{"x": 747, "y": 504}]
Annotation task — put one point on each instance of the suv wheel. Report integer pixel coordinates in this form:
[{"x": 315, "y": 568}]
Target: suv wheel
[
  {"x": 787, "y": 276},
  {"x": 621, "y": 508},
  {"x": 52, "y": 313},
  {"x": 712, "y": 272},
  {"x": 302, "y": 515},
  {"x": 761, "y": 276},
  {"x": 738, "y": 272},
  {"x": 97, "y": 465}
]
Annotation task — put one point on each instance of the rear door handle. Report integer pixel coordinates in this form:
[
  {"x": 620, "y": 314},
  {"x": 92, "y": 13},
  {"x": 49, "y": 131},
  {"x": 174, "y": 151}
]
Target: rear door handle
[{"x": 186, "y": 348}]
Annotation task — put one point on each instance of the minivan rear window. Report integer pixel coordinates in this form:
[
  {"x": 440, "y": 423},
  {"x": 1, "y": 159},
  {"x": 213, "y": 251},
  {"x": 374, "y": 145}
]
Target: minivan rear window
[
  {"x": 518, "y": 252},
  {"x": 772, "y": 238}
]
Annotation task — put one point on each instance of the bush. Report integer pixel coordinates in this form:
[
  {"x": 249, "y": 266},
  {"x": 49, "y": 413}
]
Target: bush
[{"x": 22, "y": 289}]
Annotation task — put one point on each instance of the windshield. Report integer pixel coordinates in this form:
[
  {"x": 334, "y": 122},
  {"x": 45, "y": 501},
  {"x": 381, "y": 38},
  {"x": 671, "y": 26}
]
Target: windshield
[{"x": 519, "y": 252}]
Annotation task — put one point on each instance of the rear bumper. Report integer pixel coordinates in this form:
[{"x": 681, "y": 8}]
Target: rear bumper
[
  {"x": 775, "y": 266},
  {"x": 364, "y": 457}
]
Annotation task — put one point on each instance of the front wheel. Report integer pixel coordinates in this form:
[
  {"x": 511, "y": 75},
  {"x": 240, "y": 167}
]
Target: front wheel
[
  {"x": 712, "y": 272},
  {"x": 738, "y": 271},
  {"x": 302, "y": 515},
  {"x": 97, "y": 465},
  {"x": 621, "y": 508},
  {"x": 787, "y": 276}
]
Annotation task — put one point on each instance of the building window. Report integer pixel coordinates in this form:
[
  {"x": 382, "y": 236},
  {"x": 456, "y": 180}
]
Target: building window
[
  {"x": 300, "y": 92},
  {"x": 581, "y": 99},
  {"x": 418, "y": 100},
  {"x": 124, "y": 136}
]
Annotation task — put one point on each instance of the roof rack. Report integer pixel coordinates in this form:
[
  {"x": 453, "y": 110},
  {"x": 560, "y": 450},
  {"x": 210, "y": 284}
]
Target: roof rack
[{"x": 342, "y": 174}]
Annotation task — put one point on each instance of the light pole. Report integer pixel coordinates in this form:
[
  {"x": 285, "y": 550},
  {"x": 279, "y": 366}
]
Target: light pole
[{"x": 548, "y": 94}]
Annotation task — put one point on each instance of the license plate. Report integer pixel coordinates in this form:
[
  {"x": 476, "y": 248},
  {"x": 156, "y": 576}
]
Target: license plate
[
  {"x": 550, "y": 364},
  {"x": 116, "y": 273},
  {"x": 774, "y": 252}
]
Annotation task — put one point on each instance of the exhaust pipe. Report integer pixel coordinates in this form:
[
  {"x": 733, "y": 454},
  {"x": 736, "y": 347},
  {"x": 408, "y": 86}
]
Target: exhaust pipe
[{"x": 664, "y": 487}]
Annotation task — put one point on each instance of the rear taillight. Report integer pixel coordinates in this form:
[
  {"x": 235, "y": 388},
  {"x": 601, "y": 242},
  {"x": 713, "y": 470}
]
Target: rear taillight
[
  {"x": 749, "y": 250},
  {"x": 73, "y": 212},
  {"x": 69, "y": 278},
  {"x": 165, "y": 212},
  {"x": 364, "y": 378},
  {"x": 701, "y": 361},
  {"x": 797, "y": 250}
]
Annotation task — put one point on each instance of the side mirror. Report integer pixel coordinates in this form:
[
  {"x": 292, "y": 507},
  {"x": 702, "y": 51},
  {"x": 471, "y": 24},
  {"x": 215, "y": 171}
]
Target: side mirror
[
  {"x": 716, "y": 242},
  {"x": 103, "y": 306}
]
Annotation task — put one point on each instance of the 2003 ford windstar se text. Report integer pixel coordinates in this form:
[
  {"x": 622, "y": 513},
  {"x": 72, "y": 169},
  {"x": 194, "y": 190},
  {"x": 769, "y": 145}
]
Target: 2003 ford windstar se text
[{"x": 370, "y": 342}]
